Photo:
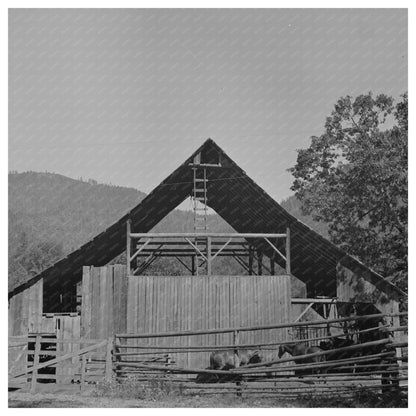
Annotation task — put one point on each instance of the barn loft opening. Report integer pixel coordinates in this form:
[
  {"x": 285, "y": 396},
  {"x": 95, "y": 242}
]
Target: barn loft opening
[{"x": 246, "y": 207}]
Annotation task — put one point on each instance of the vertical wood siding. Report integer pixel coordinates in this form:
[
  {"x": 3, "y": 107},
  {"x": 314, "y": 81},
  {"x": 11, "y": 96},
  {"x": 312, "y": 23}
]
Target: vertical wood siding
[
  {"x": 115, "y": 303},
  {"x": 179, "y": 303},
  {"x": 25, "y": 310}
]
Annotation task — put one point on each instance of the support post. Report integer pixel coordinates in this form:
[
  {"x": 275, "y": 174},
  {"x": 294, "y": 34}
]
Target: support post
[
  {"x": 109, "y": 359},
  {"x": 35, "y": 364},
  {"x": 128, "y": 245},
  {"x": 236, "y": 340},
  {"x": 209, "y": 259},
  {"x": 260, "y": 263},
  {"x": 193, "y": 265},
  {"x": 250, "y": 260},
  {"x": 288, "y": 269},
  {"x": 83, "y": 371}
]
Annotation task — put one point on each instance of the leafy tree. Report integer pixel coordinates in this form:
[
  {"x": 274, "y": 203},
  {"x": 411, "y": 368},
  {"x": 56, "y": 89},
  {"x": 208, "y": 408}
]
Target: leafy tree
[
  {"x": 31, "y": 255},
  {"x": 354, "y": 177}
]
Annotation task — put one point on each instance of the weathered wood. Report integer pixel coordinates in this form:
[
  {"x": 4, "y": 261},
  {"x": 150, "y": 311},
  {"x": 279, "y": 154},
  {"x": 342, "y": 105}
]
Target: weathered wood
[
  {"x": 209, "y": 257},
  {"x": 288, "y": 260},
  {"x": 246, "y": 370},
  {"x": 178, "y": 304},
  {"x": 60, "y": 359},
  {"x": 314, "y": 300},
  {"x": 256, "y": 327},
  {"x": 259, "y": 263},
  {"x": 263, "y": 345},
  {"x": 35, "y": 364},
  {"x": 250, "y": 260},
  {"x": 108, "y": 360},
  {"x": 128, "y": 246},
  {"x": 213, "y": 235},
  {"x": 83, "y": 371}
]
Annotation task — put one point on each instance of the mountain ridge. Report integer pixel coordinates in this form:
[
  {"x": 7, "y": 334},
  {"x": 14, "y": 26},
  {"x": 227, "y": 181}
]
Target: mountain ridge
[{"x": 50, "y": 215}]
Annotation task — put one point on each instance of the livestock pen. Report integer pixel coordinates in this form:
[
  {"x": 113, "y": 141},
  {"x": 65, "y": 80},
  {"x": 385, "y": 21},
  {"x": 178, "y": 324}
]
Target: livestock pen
[
  {"x": 84, "y": 320},
  {"x": 380, "y": 370}
]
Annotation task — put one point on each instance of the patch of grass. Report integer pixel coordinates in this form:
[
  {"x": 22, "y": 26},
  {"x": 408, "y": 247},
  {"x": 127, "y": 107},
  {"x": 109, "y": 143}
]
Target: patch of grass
[
  {"x": 130, "y": 388},
  {"x": 359, "y": 399}
]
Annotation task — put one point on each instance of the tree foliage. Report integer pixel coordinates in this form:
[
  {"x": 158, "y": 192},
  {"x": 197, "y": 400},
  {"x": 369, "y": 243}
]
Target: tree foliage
[{"x": 354, "y": 177}]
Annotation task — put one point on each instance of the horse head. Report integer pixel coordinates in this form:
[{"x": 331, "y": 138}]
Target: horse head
[{"x": 282, "y": 350}]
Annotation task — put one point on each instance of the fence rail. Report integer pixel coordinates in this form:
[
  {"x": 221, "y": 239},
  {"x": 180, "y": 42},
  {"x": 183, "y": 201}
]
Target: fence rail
[{"x": 376, "y": 364}]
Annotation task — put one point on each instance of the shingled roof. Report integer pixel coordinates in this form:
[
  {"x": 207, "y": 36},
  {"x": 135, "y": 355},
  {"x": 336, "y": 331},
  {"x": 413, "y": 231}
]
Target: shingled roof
[{"x": 240, "y": 202}]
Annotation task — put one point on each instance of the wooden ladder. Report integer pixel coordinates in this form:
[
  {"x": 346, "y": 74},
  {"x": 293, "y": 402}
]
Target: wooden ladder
[{"x": 200, "y": 208}]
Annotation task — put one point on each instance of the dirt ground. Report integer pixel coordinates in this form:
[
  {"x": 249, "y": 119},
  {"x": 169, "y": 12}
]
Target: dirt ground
[
  {"x": 87, "y": 400},
  {"x": 71, "y": 400},
  {"x": 116, "y": 395}
]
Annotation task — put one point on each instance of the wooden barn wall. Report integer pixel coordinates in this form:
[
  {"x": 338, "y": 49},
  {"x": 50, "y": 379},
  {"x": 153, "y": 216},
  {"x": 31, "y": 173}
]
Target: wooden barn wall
[
  {"x": 25, "y": 310},
  {"x": 104, "y": 301},
  {"x": 181, "y": 303}
]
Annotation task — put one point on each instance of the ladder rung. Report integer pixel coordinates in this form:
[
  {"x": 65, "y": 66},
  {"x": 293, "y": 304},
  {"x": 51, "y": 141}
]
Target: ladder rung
[
  {"x": 200, "y": 180},
  {"x": 198, "y": 198},
  {"x": 199, "y": 190}
]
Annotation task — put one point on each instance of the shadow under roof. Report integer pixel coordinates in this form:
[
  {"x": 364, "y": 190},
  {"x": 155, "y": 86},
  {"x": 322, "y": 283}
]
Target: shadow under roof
[{"x": 241, "y": 203}]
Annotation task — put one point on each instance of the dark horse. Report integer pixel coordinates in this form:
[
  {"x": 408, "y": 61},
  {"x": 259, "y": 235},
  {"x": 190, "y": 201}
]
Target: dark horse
[{"x": 297, "y": 349}]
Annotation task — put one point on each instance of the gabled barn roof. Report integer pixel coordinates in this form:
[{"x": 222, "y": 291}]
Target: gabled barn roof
[{"x": 240, "y": 202}]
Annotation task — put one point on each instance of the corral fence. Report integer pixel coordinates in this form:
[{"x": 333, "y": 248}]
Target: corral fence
[{"x": 377, "y": 364}]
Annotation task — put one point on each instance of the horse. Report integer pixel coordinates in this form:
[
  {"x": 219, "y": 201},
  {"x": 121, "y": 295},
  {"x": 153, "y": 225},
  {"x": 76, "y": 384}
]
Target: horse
[
  {"x": 227, "y": 360},
  {"x": 297, "y": 349},
  {"x": 335, "y": 343}
]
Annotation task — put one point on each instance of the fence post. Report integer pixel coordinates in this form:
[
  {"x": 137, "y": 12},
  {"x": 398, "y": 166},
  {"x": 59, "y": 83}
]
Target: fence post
[
  {"x": 35, "y": 364},
  {"x": 83, "y": 371},
  {"x": 236, "y": 341},
  {"x": 109, "y": 359}
]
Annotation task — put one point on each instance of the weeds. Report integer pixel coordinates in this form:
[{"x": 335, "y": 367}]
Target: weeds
[{"x": 130, "y": 388}]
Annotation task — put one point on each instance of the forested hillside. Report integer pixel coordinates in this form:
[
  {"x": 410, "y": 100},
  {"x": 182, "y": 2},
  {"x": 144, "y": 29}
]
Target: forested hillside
[{"x": 50, "y": 215}]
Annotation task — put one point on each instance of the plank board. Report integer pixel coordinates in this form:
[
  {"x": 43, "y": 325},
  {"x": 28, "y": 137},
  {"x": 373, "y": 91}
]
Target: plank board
[{"x": 179, "y": 303}]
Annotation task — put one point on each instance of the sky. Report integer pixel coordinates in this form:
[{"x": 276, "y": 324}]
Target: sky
[{"x": 124, "y": 96}]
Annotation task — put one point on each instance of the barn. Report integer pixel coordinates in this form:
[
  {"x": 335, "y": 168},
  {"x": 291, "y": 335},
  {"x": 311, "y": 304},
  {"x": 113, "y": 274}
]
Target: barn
[{"x": 291, "y": 274}]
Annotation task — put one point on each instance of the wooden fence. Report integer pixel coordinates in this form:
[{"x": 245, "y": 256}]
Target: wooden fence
[{"x": 376, "y": 365}]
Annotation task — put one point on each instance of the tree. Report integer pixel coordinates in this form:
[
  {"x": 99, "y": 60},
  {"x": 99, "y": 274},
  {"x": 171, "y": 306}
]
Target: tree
[
  {"x": 354, "y": 177},
  {"x": 30, "y": 256}
]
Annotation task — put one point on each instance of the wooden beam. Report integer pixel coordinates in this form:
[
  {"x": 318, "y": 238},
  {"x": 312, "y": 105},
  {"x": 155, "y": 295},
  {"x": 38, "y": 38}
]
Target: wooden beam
[
  {"x": 139, "y": 250},
  {"x": 193, "y": 265},
  {"x": 209, "y": 258},
  {"x": 250, "y": 260},
  {"x": 35, "y": 364},
  {"x": 259, "y": 263},
  {"x": 275, "y": 249},
  {"x": 288, "y": 267},
  {"x": 128, "y": 247},
  {"x": 314, "y": 300},
  {"x": 109, "y": 359},
  {"x": 304, "y": 312},
  {"x": 213, "y": 235},
  {"x": 62, "y": 358},
  {"x": 221, "y": 249},
  {"x": 184, "y": 264},
  {"x": 196, "y": 248}
]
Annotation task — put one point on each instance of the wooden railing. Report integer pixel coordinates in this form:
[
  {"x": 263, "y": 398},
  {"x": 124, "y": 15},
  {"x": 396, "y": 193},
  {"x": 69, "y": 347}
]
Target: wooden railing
[{"x": 86, "y": 361}]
